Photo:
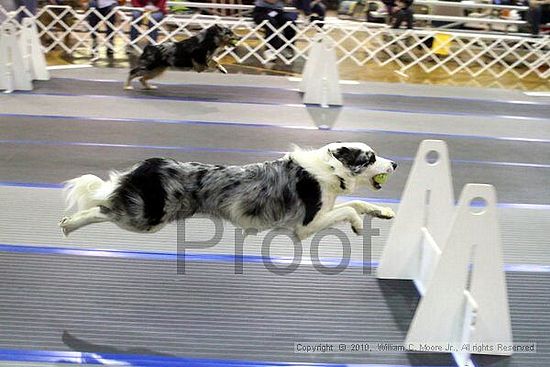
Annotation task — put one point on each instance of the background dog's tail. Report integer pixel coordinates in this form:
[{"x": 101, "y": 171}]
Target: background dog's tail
[{"x": 88, "y": 191}]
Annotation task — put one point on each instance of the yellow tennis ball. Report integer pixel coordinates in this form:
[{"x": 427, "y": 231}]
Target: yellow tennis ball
[{"x": 381, "y": 178}]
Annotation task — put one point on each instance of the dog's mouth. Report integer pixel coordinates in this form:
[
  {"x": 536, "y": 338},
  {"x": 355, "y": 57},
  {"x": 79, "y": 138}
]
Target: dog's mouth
[{"x": 378, "y": 180}]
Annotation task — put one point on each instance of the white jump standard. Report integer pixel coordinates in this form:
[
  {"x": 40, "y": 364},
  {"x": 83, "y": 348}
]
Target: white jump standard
[
  {"x": 21, "y": 56},
  {"x": 454, "y": 257}
]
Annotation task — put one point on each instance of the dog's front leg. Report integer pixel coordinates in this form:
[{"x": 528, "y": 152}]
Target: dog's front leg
[
  {"x": 214, "y": 64},
  {"x": 144, "y": 81},
  {"x": 221, "y": 68},
  {"x": 329, "y": 219},
  {"x": 362, "y": 207}
]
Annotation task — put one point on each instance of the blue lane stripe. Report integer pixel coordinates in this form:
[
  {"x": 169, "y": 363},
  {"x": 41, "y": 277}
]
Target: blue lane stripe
[
  {"x": 240, "y": 151},
  {"x": 135, "y": 255},
  {"x": 139, "y": 146},
  {"x": 470, "y": 161},
  {"x": 266, "y": 125},
  {"x": 46, "y": 185},
  {"x": 160, "y": 121},
  {"x": 34, "y": 185},
  {"x": 101, "y": 359},
  {"x": 370, "y": 94},
  {"x": 218, "y": 258},
  {"x": 168, "y": 256}
]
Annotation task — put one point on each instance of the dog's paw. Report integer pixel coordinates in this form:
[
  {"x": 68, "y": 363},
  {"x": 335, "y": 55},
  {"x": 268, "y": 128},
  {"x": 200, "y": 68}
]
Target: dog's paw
[
  {"x": 128, "y": 87},
  {"x": 384, "y": 213},
  {"x": 221, "y": 68},
  {"x": 362, "y": 207},
  {"x": 358, "y": 230},
  {"x": 64, "y": 224},
  {"x": 150, "y": 87},
  {"x": 357, "y": 227}
]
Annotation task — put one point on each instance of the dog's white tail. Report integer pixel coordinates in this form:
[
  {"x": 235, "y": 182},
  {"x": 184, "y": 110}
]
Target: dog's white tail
[{"x": 88, "y": 191}]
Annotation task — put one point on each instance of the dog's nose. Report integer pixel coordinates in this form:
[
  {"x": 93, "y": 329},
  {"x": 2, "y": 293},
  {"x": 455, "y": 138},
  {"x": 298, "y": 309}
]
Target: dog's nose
[{"x": 394, "y": 165}]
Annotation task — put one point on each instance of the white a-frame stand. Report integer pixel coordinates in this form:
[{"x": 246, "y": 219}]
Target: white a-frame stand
[
  {"x": 33, "y": 56},
  {"x": 21, "y": 56},
  {"x": 13, "y": 73},
  {"x": 419, "y": 231},
  {"x": 454, "y": 256},
  {"x": 320, "y": 78}
]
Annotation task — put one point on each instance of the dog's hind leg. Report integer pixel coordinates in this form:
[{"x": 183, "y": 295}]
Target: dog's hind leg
[
  {"x": 139, "y": 72},
  {"x": 146, "y": 85},
  {"x": 150, "y": 74},
  {"x": 134, "y": 73},
  {"x": 82, "y": 218},
  {"x": 199, "y": 67}
]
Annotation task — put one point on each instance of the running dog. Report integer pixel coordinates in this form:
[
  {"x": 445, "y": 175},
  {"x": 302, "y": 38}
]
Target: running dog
[
  {"x": 194, "y": 53},
  {"x": 296, "y": 192}
]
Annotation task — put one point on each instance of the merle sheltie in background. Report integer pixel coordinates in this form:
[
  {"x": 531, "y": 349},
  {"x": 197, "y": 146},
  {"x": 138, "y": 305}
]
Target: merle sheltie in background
[{"x": 194, "y": 53}]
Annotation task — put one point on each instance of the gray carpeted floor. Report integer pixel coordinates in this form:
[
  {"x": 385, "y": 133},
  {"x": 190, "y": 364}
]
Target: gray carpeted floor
[{"x": 78, "y": 124}]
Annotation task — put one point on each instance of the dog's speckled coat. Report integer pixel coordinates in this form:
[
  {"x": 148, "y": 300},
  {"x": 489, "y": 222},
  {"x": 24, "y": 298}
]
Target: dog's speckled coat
[{"x": 296, "y": 192}]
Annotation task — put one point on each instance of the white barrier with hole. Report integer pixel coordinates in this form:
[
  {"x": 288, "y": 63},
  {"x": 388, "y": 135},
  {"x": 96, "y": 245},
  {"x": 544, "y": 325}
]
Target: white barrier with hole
[
  {"x": 453, "y": 255},
  {"x": 422, "y": 225}
]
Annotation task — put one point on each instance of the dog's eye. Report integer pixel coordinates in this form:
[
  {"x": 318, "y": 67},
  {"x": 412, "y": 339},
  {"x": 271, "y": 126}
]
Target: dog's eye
[
  {"x": 372, "y": 158},
  {"x": 365, "y": 159}
]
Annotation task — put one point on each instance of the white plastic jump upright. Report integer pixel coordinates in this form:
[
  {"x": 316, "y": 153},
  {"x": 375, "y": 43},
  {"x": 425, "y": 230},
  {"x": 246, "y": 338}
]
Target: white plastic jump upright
[
  {"x": 320, "y": 78},
  {"x": 34, "y": 59},
  {"x": 420, "y": 229},
  {"x": 454, "y": 257},
  {"x": 467, "y": 301},
  {"x": 21, "y": 56},
  {"x": 13, "y": 74}
]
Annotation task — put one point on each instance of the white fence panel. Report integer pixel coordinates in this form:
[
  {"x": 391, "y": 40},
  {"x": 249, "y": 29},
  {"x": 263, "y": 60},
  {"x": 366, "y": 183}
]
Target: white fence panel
[{"x": 359, "y": 43}]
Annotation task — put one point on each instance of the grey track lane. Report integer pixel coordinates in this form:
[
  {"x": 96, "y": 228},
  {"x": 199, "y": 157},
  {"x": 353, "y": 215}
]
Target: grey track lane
[
  {"x": 214, "y": 78},
  {"x": 259, "y": 95},
  {"x": 53, "y": 164},
  {"x": 264, "y": 138},
  {"x": 118, "y": 304},
  {"x": 56, "y": 163},
  {"x": 296, "y": 116},
  {"x": 19, "y": 225}
]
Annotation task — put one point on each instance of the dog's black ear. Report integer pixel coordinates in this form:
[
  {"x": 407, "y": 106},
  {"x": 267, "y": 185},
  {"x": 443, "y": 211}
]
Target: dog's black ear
[{"x": 354, "y": 159}]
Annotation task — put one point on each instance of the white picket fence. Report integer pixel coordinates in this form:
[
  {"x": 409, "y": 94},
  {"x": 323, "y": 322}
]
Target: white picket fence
[{"x": 360, "y": 43}]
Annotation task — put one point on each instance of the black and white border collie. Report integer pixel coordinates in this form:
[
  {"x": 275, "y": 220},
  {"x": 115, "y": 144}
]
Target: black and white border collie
[
  {"x": 194, "y": 53},
  {"x": 296, "y": 192}
]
